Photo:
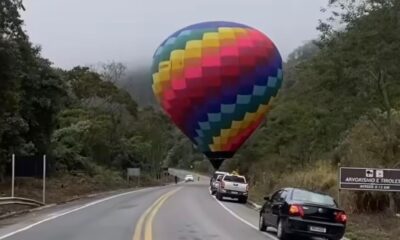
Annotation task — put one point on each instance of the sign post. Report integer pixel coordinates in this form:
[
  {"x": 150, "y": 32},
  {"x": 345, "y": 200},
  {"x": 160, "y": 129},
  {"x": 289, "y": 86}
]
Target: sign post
[
  {"x": 134, "y": 172},
  {"x": 12, "y": 174},
  {"x": 44, "y": 180},
  {"x": 369, "y": 179},
  {"x": 338, "y": 197}
]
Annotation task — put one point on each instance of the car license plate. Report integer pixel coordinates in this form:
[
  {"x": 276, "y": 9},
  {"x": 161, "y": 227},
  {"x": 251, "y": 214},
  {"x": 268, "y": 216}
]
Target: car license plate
[
  {"x": 233, "y": 192},
  {"x": 318, "y": 229}
]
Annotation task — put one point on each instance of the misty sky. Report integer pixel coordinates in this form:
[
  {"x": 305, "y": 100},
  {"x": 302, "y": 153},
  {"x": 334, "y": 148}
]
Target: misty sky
[{"x": 84, "y": 32}]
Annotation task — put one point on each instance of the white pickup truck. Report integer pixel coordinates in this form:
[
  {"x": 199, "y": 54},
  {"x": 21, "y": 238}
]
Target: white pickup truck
[
  {"x": 214, "y": 181},
  {"x": 233, "y": 186}
]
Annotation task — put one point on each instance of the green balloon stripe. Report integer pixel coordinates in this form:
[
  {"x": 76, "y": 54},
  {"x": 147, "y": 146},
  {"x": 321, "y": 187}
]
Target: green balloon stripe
[
  {"x": 179, "y": 43},
  {"x": 238, "y": 115}
]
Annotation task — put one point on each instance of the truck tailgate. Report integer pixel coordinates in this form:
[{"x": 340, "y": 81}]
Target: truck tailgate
[{"x": 234, "y": 186}]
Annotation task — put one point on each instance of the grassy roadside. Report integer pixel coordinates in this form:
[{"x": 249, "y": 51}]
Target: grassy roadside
[
  {"x": 68, "y": 187},
  {"x": 373, "y": 227}
]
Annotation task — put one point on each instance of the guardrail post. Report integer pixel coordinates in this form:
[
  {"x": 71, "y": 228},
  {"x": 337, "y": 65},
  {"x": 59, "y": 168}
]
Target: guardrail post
[{"x": 12, "y": 174}]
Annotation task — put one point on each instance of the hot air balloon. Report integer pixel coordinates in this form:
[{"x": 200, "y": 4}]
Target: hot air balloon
[{"x": 215, "y": 81}]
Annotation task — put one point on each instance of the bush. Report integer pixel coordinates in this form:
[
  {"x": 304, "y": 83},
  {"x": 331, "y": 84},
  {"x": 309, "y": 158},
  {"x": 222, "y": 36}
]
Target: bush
[{"x": 321, "y": 176}]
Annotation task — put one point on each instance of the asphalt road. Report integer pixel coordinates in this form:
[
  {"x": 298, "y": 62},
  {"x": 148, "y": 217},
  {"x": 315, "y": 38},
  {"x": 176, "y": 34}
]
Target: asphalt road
[{"x": 178, "y": 212}]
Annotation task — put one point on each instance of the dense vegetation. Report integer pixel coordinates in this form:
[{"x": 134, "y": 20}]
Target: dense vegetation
[
  {"x": 79, "y": 118},
  {"x": 340, "y": 103}
]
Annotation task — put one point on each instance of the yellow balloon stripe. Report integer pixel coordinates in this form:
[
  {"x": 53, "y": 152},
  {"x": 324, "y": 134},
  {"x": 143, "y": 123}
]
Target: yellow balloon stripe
[
  {"x": 227, "y": 135},
  {"x": 175, "y": 66}
]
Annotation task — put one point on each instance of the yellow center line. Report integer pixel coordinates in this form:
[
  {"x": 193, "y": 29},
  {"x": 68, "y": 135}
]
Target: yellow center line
[
  {"x": 148, "y": 234},
  {"x": 139, "y": 226},
  {"x": 138, "y": 230}
]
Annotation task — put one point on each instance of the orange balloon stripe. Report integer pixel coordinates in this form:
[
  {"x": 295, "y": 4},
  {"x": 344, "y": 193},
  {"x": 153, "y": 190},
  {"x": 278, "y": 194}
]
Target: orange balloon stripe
[{"x": 192, "y": 67}]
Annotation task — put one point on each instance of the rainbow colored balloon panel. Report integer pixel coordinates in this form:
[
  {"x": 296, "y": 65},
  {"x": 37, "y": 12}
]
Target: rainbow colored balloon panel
[{"x": 215, "y": 80}]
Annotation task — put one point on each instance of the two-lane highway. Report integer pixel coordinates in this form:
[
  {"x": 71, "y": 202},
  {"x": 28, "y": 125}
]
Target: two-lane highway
[
  {"x": 178, "y": 212},
  {"x": 192, "y": 213}
]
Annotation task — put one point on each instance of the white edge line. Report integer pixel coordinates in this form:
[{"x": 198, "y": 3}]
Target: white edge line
[
  {"x": 242, "y": 220},
  {"x": 68, "y": 212}
]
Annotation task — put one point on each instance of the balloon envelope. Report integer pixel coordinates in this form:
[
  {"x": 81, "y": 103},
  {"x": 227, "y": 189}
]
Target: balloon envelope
[{"x": 215, "y": 81}]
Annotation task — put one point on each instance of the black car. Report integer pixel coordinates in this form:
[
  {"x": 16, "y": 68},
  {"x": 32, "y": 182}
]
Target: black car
[{"x": 298, "y": 212}]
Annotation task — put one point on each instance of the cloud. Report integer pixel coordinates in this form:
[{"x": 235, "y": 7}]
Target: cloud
[{"x": 76, "y": 32}]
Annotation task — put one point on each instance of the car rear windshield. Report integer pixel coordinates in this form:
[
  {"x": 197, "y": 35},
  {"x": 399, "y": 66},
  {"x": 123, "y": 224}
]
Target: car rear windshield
[
  {"x": 310, "y": 197},
  {"x": 234, "y": 179}
]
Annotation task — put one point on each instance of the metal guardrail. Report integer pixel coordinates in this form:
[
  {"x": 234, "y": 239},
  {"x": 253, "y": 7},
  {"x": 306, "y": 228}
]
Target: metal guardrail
[{"x": 20, "y": 201}]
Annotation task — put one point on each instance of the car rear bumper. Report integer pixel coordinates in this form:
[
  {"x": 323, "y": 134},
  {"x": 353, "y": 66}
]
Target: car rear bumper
[
  {"x": 231, "y": 194},
  {"x": 301, "y": 227}
]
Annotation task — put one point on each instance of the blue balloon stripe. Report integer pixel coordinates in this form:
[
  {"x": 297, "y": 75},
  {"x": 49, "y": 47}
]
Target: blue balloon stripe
[
  {"x": 224, "y": 89},
  {"x": 241, "y": 109},
  {"x": 260, "y": 76}
]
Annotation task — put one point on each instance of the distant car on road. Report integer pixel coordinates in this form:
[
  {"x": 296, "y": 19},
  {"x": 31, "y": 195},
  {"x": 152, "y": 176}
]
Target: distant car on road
[
  {"x": 298, "y": 212},
  {"x": 189, "y": 178},
  {"x": 234, "y": 186},
  {"x": 214, "y": 182}
]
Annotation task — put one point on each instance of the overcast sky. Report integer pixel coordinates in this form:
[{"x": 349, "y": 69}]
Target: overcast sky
[{"x": 84, "y": 32}]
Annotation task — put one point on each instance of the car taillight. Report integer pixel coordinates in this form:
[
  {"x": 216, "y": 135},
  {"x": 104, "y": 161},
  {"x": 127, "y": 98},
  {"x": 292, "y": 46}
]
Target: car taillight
[
  {"x": 296, "y": 210},
  {"x": 341, "y": 217},
  {"x": 222, "y": 184},
  {"x": 247, "y": 188}
]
